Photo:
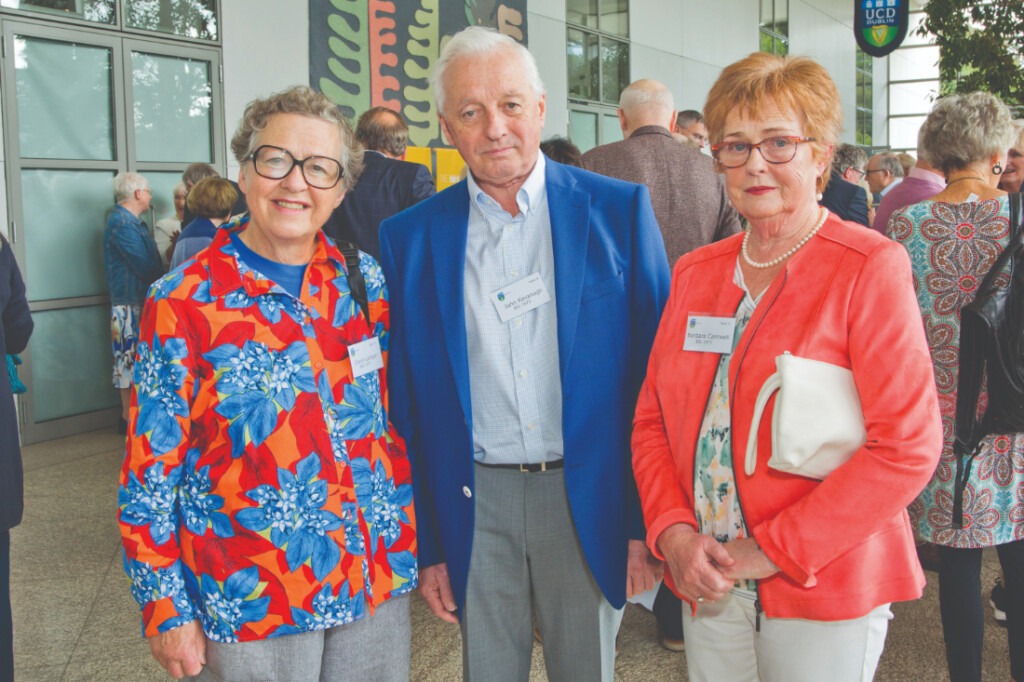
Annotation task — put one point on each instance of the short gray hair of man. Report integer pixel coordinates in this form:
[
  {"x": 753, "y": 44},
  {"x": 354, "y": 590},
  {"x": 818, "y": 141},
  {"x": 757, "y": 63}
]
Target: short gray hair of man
[
  {"x": 849, "y": 156},
  {"x": 965, "y": 129},
  {"x": 688, "y": 117},
  {"x": 648, "y": 97},
  {"x": 127, "y": 184},
  {"x": 889, "y": 161},
  {"x": 475, "y": 41}
]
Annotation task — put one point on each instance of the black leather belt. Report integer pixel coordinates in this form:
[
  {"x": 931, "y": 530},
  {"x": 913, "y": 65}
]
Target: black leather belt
[{"x": 528, "y": 468}]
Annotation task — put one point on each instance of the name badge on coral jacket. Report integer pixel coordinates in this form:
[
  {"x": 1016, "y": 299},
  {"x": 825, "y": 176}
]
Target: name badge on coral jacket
[
  {"x": 520, "y": 297},
  {"x": 707, "y": 334},
  {"x": 365, "y": 357}
]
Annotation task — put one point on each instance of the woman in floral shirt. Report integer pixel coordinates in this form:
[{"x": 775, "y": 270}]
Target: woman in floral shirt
[
  {"x": 953, "y": 240},
  {"x": 264, "y": 492}
]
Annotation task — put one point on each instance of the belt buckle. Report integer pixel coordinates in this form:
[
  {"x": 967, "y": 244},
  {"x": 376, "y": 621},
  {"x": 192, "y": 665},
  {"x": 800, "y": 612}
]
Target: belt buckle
[{"x": 525, "y": 468}]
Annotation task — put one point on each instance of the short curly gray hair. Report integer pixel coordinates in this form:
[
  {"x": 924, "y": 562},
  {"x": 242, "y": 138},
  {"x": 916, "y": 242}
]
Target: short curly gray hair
[
  {"x": 964, "y": 129},
  {"x": 848, "y": 156},
  {"x": 302, "y": 100}
]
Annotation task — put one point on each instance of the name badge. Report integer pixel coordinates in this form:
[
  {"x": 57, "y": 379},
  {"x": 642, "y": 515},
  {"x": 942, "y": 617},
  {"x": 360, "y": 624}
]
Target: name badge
[
  {"x": 706, "y": 334},
  {"x": 520, "y": 297},
  {"x": 365, "y": 357}
]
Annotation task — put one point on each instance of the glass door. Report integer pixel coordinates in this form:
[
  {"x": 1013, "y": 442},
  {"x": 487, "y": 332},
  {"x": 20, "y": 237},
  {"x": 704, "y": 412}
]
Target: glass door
[{"x": 79, "y": 107}]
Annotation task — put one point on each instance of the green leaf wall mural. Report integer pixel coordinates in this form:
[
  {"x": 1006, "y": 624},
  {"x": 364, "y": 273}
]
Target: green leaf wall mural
[{"x": 365, "y": 53}]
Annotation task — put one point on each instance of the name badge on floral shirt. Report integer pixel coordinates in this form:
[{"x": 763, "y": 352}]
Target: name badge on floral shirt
[{"x": 365, "y": 357}]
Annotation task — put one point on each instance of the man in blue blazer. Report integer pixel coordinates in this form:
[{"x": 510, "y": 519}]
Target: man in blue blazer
[{"x": 524, "y": 302}]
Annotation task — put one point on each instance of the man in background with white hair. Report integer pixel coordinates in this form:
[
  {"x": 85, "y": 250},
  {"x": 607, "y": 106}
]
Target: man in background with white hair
[
  {"x": 524, "y": 300},
  {"x": 131, "y": 262},
  {"x": 688, "y": 196}
]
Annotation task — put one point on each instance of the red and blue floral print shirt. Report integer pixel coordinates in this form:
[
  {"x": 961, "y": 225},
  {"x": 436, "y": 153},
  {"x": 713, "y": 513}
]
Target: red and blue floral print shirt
[{"x": 264, "y": 491}]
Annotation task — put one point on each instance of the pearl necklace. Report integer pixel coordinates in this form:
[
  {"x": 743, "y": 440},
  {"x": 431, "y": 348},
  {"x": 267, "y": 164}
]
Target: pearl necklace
[{"x": 775, "y": 261}]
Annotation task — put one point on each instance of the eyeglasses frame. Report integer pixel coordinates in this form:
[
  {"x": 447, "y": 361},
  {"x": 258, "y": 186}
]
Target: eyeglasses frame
[
  {"x": 795, "y": 139},
  {"x": 301, "y": 163}
]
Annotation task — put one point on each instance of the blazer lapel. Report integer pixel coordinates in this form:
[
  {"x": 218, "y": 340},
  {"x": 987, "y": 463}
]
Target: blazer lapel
[
  {"x": 569, "y": 211},
  {"x": 448, "y": 231}
]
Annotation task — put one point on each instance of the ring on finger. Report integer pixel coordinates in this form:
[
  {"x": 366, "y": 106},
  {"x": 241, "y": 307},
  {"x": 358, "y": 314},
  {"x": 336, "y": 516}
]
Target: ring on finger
[{"x": 700, "y": 599}]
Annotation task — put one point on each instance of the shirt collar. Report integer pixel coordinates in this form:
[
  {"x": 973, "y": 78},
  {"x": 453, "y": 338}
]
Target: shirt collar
[
  {"x": 929, "y": 176},
  {"x": 529, "y": 196},
  {"x": 228, "y": 274}
]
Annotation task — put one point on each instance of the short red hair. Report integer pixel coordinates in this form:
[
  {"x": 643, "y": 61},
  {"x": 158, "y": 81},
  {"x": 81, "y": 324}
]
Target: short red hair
[{"x": 798, "y": 84}]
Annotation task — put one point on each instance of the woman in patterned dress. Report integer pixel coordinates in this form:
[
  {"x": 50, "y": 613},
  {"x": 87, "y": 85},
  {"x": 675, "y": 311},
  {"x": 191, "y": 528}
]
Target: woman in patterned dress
[
  {"x": 953, "y": 239},
  {"x": 787, "y": 577}
]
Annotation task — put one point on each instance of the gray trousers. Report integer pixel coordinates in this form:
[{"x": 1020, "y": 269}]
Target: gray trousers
[
  {"x": 373, "y": 649},
  {"x": 527, "y": 563}
]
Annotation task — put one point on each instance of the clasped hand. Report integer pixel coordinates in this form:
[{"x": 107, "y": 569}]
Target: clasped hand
[{"x": 704, "y": 569}]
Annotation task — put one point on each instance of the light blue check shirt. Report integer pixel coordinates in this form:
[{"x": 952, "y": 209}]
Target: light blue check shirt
[{"x": 515, "y": 387}]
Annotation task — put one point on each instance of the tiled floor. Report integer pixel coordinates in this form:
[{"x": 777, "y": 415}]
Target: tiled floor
[{"x": 75, "y": 618}]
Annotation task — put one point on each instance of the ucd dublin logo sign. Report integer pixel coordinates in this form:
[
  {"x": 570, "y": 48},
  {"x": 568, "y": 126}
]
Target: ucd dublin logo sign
[{"x": 880, "y": 25}]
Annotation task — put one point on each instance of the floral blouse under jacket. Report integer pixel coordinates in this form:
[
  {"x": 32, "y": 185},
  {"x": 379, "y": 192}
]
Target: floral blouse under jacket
[{"x": 263, "y": 491}]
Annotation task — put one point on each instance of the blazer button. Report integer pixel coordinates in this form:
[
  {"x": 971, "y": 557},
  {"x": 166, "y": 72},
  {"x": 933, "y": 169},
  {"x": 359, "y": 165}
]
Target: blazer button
[{"x": 466, "y": 491}]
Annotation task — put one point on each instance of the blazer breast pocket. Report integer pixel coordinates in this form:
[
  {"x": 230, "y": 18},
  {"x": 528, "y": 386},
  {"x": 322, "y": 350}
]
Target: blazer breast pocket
[{"x": 606, "y": 287}]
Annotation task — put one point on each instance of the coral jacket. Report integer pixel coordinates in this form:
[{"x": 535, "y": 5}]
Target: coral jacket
[{"x": 844, "y": 545}]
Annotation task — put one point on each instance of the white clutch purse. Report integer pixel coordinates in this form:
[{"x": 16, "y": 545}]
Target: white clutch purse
[{"x": 817, "y": 423}]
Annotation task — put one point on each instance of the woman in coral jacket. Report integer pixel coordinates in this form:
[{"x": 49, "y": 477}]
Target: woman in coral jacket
[{"x": 788, "y": 578}]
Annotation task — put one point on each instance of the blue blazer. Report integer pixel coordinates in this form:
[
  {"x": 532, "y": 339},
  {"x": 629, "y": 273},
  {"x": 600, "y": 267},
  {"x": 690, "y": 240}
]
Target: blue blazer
[{"x": 611, "y": 282}]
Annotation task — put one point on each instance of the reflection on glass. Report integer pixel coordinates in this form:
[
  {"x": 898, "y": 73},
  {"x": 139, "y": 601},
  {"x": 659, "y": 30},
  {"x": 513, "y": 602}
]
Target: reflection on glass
[
  {"x": 614, "y": 69},
  {"x": 100, "y": 11},
  {"x": 583, "y": 129},
  {"x": 189, "y": 18},
  {"x": 582, "y": 60},
  {"x": 162, "y": 205},
  {"x": 611, "y": 129},
  {"x": 914, "y": 63},
  {"x": 903, "y": 131},
  {"x": 912, "y": 98},
  {"x": 615, "y": 17},
  {"x": 65, "y": 212},
  {"x": 54, "y": 78},
  {"x": 71, "y": 362},
  {"x": 172, "y": 108},
  {"x": 914, "y": 24},
  {"x": 581, "y": 12}
]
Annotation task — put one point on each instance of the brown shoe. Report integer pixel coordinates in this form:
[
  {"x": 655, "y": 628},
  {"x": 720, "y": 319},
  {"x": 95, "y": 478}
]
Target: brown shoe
[{"x": 673, "y": 644}]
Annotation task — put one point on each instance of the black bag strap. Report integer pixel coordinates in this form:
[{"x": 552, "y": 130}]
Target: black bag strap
[
  {"x": 974, "y": 342},
  {"x": 356, "y": 283}
]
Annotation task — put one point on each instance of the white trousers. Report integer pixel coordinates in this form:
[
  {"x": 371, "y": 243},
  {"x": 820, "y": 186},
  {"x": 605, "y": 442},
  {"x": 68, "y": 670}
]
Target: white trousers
[{"x": 722, "y": 643}]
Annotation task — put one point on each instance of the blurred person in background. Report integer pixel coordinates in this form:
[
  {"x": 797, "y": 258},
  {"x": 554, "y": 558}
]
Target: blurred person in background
[
  {"x": 210, "y": 201},
  {"x": 131, "y": 262},
  {"x": 15, "y": 330},
  {"x": 953, "y": 240}
]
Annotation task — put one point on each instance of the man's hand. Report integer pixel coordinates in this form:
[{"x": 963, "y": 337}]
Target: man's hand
[
  {"x": 181, "y": 650},
  {"x": 698, "y": 563},
  {"x": 642, "y": 569},
  {"x": 750, "y": 561},
  {"x": 436, "y": 588}
]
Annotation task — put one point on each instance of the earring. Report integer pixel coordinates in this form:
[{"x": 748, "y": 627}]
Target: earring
[
  {"x": 997, "y": 169},
  {"x": 819, "y": 196}
]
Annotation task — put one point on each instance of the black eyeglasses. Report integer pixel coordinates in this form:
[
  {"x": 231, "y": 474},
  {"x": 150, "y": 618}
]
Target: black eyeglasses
[
  {"x": 275, "y": 163},
  {"x": 776, "y": 150}
]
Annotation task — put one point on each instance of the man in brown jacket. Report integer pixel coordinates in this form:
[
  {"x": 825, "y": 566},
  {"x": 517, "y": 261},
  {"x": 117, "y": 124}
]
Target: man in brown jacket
[{"x": 688, "y": 196}]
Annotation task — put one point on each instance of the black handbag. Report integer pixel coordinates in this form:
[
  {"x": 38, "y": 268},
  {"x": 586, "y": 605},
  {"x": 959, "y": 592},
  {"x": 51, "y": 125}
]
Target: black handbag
[{"x": 991, "y": 347}]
